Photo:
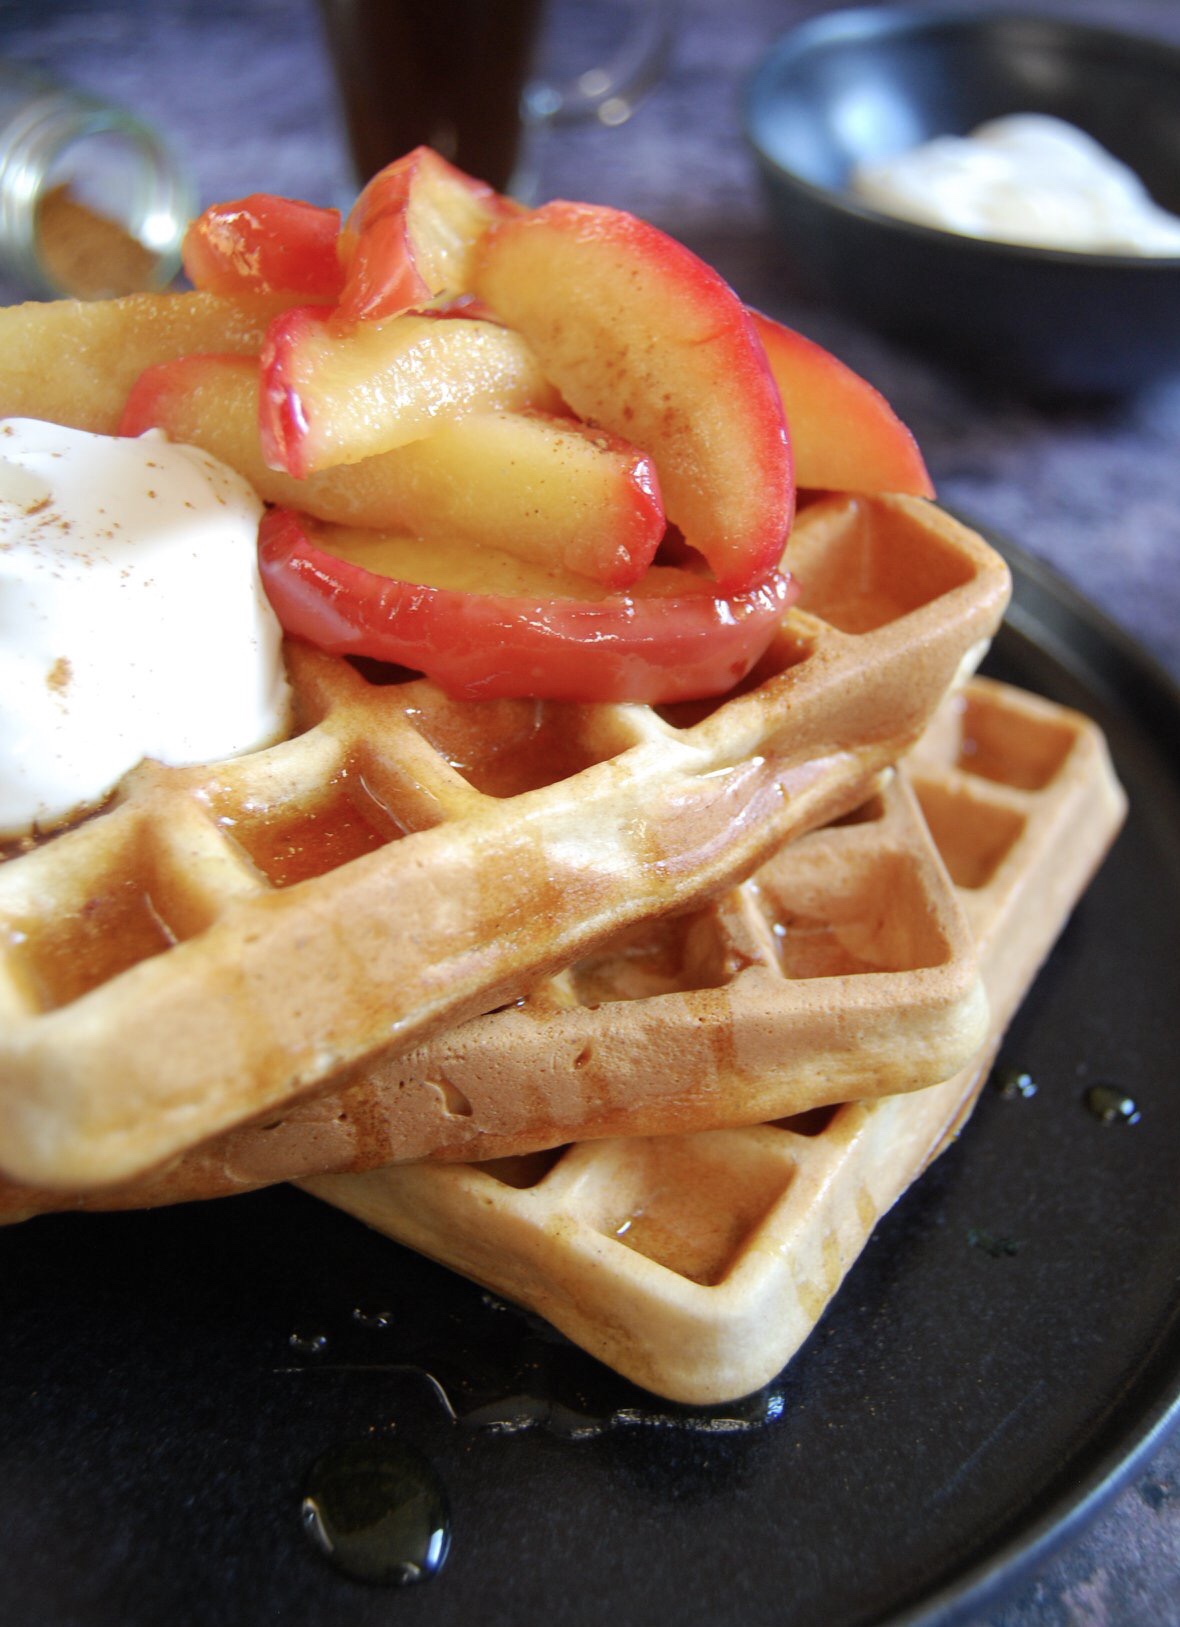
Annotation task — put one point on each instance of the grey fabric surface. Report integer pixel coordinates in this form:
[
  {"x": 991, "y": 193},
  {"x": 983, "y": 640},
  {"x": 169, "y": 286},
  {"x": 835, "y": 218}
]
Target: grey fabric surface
[{"x": 242, "y": 89}]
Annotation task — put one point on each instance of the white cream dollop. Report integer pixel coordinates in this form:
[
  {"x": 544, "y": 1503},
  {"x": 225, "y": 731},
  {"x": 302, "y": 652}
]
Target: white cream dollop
[
  {"x": 132, "y": 619},
  {"x": 1029, "y": 179}
]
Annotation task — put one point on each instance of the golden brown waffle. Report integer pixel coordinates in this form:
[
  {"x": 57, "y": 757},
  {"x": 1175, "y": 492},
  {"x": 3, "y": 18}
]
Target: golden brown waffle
[
  {"x": 226, "y": 938},
  {"x": 844, "y": 967},
  {"x": 697, "y": 1265}
]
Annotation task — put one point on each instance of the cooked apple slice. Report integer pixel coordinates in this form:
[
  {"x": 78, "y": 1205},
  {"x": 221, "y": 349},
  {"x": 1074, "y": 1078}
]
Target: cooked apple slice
[
  {"x": 73, "y": 361},
  {"x": 844, "y": 434},
  {"x": 487, "y": 626},
  {"x": 643, "y": 338},
  {"x": 544, "y": 489},
  {"x": 332, "y": 395},
  {"x": 541, "y": 488},
  {"x": 409, "y": 236},
  {"x": 266, "y": 245}
]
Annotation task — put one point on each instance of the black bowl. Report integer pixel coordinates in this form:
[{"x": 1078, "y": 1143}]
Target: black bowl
[{"x": 856, "y": 85}]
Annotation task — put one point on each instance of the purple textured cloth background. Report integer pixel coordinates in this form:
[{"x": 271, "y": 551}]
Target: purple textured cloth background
[{"x": 242, "y": 90}]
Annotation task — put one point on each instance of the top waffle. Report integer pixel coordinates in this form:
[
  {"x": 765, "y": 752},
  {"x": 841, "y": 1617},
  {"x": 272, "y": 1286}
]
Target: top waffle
[
  {"x": 843, "y": 968},
  {"x": 223, "y": 939}
]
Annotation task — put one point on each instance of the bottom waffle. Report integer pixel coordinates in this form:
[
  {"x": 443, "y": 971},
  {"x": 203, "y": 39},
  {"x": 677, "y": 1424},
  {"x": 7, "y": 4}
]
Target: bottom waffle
[{"x": 696, "y": 1265}]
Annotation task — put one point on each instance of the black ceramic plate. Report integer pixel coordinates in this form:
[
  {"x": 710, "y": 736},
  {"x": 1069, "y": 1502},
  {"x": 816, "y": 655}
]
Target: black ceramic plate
[{"x": 958, "y": 1408}]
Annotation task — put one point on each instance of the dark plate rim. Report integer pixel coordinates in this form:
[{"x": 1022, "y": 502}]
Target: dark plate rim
[
  {"x": 1048, "y": 612},
  {"x": 893, "y": 22}
]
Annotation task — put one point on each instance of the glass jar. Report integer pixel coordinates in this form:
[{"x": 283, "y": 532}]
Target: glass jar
[{"x": 92, "y": 202}]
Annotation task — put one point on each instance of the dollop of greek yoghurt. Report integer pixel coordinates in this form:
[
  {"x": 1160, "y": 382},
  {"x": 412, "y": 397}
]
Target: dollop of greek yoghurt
[
  {"x": 132, "y": 619},
  {"x": 1028, "y": 179}
]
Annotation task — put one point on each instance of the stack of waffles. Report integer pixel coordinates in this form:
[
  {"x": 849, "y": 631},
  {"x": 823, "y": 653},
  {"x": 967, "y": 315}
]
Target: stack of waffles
[{"x": 640, "y": 1016}]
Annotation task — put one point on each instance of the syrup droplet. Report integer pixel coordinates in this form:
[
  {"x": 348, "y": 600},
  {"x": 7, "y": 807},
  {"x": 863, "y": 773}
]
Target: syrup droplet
[
  {"x": 378, "y": 1512},
  {"x": 1015, "y": 1085},
  {"x": 512, "y": 1415},
  {"x": 373, "y": 1319},
  {"x": 308, "y": 1343},
  {"x": 1111, "y": 1105}
]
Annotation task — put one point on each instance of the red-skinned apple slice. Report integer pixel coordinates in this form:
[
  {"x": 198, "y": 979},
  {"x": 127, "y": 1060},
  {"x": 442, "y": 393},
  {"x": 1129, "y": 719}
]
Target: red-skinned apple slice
[
  {"x": 331, "y": 397},
  {"x": 409, "y": 236},
  {"x": 644, "y": 339},
  {"x": 844, "y": 434},
  {"x": 488, "y": 626},
  {"x": 545, "y": 489},
  {"x": 266, "y": 245}
]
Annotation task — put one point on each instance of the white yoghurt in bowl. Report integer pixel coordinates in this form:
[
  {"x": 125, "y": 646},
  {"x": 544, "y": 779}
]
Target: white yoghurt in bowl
[
  {"x": 1029, "y": 179},
  {"x": 132, "y": 619}
]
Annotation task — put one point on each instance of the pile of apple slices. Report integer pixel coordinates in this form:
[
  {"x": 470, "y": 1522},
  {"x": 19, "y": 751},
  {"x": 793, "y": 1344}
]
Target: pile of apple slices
[{"x": 527, "y": 452}]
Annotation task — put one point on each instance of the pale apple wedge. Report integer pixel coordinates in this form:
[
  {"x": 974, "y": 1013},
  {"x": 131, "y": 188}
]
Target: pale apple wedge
[
  {"x": 544, "y": 489},
  {"x": 265, "y": 245},
  {"x": 72, "y": 362},
  {"x": 540, "y": 488},
  {"x": 644, "y": 339},
  {"x": 409, "y": 237},
  {"x": 844, "y": 434},
  {"x": 333, "y": 395}
]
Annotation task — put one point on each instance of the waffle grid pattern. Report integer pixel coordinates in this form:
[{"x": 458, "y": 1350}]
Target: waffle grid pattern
[
  {"x": 187, "y": 960},
  {"x": 697, "y": 1265},
  {"x": 844, "y": 966}
]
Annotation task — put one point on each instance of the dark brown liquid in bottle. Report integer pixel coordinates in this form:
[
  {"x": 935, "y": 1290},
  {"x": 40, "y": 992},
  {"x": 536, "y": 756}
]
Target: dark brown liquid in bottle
[{"x": 444, "y": 73}]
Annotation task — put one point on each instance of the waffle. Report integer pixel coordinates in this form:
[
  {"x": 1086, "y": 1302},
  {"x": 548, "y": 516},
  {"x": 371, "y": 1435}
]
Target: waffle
[
  {"x": 844, "y": 967},
  {"x": 697, "y": 1265},
  {"x": 224, "y": 939}
]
